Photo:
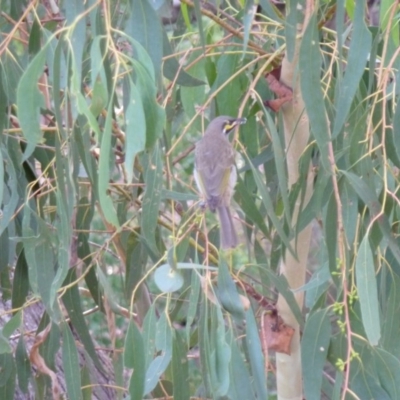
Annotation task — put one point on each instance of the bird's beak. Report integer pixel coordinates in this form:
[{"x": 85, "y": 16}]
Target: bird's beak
[{"x": 235, "y": 122}]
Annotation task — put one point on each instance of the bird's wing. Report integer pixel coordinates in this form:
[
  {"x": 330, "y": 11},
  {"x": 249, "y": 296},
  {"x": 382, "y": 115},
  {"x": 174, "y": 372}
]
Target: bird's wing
[{"x": 215, "y": 179}]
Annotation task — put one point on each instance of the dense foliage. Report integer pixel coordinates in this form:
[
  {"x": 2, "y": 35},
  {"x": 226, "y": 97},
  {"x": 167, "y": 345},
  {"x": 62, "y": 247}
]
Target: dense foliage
[{"x": 110, "y": 273}]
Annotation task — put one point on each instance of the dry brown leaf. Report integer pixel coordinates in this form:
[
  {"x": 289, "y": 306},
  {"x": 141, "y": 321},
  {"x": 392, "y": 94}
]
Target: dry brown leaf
[
  {"x": 276, "y": 104},
  {"x": 283, "y": 93},
  {"x": 278, "y": 335},
  {"x": 37, "y": 360}
]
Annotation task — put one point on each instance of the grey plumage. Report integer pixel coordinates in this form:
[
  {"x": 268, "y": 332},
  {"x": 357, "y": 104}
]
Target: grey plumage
[{"x": 215, "y": 173}]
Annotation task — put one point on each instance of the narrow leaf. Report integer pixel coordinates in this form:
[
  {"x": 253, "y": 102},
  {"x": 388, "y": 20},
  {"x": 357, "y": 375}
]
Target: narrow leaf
[
  {"x": 227, "y": 292},
  {"x": 144, "y": 26},
  {"x": 152, "y": 197},
  {"x": 71, "y": 364},
  {"x": 256, "y": 356},
  {"x": 368, "y": 292},
  {"x": 310, "y": 79},
  {"x": 134, "y": 359},
  {"x": 135, "y": 121},
  {"x": 106, "y": 202},
  {"x": 180, "y": 368},
  {"x": 314, "y": 349},
  {"x": 29, "y": 102},
  {"x": 72, "y": 303},
  {"x": 360, "y": 48}
]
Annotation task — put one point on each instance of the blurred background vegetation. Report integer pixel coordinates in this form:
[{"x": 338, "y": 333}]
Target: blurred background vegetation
[{"x": 112, "y": 282}]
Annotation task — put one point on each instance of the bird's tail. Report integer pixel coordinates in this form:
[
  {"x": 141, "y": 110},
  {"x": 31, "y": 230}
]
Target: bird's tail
[{"x": 228, "y": 237}]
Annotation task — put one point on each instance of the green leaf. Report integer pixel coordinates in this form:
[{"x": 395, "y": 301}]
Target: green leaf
[
  {"x": 310, "y": 72},
  {"x": 396, "y": 129},
  {"x": 11, "y": 195},
  {"x": 149, "y": 334},
  {"x": 20, "y": 282},
  {"x": 87, "y": 391},
  {"x": 71, "y": 364},
  {"x": 227, "y": 65},
  {"x": 255, "y": 355},
  {"x": 72, "y": 303},
  {"x": 23, "y": 365},
  {"x": 193, "y": 304},
  {"x": 194, "y": 97},
  {"x": 180, "y": 368},
  {"x": 77, "y": 34},
  {"x": 279, "y": 158},
  {"x": 268, "y": 204},
  {"x": 168, "y": 279},
  {"x": 134, "y": 359},
  {"x": 35, "y": 38},
  {"x": 240, "y": 380},
  {"x": 283, "y": 288},
  {"x": 368, "y": 292},
  {"x": 227, "y": 292},
  {"x": 135, "y": 122},
  {"x": 5, "y": 346},
  {"x": 7, "y": 377},
  {"x": 144, "y": 26},
  {"x": 291, "y": 21},
  {"x": 388, "y": 368},
  {"x": 360, "y": 48},
  {"x": 197, "y": 12},
  {"x": 248, "y": 205},
  {"x": 269, "y": 9},
  {"x": 39, "y": 254},
  {"x": 164, "y": 347},
  {"x": 314, "y": 349},
  {"x": 136, "y": 261},
  {"x": 171, "y": 67},
  {"x": 152, "y": 197},
  {"x": 29, "y": 102},
  {"x": 65, "y": 196},
  {"x": 330, "y": 228},
  {"x": 177, "y": 196},
  {"x": 106, "y": 202},
  {"x": 391, "y": 324},
  {"x": 1, "y": 173},
  {"x": 247, "y": 23},
  {"x": 220, "y": 358},
  {"x": 12, "y": 325}
]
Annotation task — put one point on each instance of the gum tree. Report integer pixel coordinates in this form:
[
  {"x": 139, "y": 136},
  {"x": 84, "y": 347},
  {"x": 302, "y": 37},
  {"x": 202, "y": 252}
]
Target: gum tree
[{"x": 111, "y": 276}]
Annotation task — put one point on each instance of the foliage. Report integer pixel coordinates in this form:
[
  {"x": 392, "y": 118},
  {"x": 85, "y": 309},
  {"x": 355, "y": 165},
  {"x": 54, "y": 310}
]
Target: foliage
[{"x": 101, "y": 104}]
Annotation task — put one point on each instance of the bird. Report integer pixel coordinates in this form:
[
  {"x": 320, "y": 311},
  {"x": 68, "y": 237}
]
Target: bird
[{"x": 215, "y": 173}]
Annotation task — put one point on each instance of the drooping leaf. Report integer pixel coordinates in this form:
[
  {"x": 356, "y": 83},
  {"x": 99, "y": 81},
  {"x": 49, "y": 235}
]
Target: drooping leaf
[
  {"x": 256, "y": 358},
  {"x": 135, "y": 122},
  {"x": 358, "y": 53},
  {"x": 310, "y": 64},
  {"x": 152, "y": 196},
  {"x": 134, "y": 359},
  {"x": 171, "y": 68},
  {"x": 180, "y": 368},
  {"x": 23, "y": 365},
  {"x": 29, "y": 102},
  {"x": 368, "y": 292},
  {"x": 144, "y": 26},
  {"x": 314, "y": 348},
  {"x": 106, "y": 202},
  {"x": 71, "y": 364},
  {"x": 164, "y": 347},
  {"x": 72, "y": 303},
  {"x": 227, "y": 292}
]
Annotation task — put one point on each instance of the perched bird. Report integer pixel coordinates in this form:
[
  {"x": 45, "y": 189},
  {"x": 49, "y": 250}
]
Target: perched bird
[{"x": 215, "y": 173}]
